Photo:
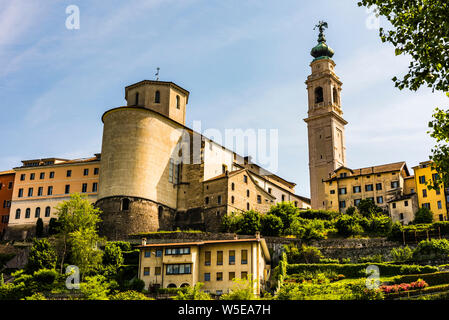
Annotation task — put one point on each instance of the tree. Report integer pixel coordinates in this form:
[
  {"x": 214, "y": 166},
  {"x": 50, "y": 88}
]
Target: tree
[
  {"x": 193, "y": 293},
  {"x": 420, "y": 29},
  {"x": 243, "y": 289},
  {"x": 287, "y": 212},
  {"x": 96, "y": 288},
  {"x": 113, "y": 255},
  {"x": 368, "y": 208},
  {"x": 39, "y": 228},
  {"x": 42, "y": 255},
  {"x": 423, "y": 215},
  {"x": 53, "y": 226},
  {"x": 250, "y": 222},
  {"x": 77, "y": 231},
  {"x": 271, "y": 225}
]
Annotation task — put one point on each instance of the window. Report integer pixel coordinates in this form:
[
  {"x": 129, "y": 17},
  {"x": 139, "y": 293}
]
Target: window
[
  {"x": 247, "y": 206},
  {"x": 47, "y": 212},
  {"x": 335, "y": 95},
  {"x": 207, "y": 276},
  {"x": 296, "y": 203},
  {"x": 283, "y": 197},
  {"x": 247, "y": 193},
  {"x": 342, "y": 204},
  {"x": 332, "y": 191},
  {"x": 42, "y": 175},
  {"x": 96, "y": 170},
  {"x": 269, "y": 190},
  {"x": 10, "y": 185},
  {"x": 84, "y": 188},
  {"x": 405, "y": 203},
  {"x": 440, "y": 217},
  {"x": 219, "y": 199},
  {"x": 86, "y": 172},
  {"x": 342, "y": 191},
  {"x": 20, "y": 195},
  {"x": 357, "y": 202},
  {"x": 435, "y": 177},
  {"x": 137, "y": 98},
  {"x": 231, "y": 276},
  {"x": 245, "y": 179},
  {"x": 369, "y": 187},
  {"x": 439, "y": 204},
  {"x": 178, "y": 268},
  {"x": 157, "y": 271},
  {"x": 422, "y": 179},
  {"x": 424, "y": 193},
  {"x": 219, "y": 276},
  {"x": 357, "y": 189},
  {"x": 52, "y": 175},
  {"x": 438, "y": 192},
  {"x": 40, "y": 191},
  {"x": 426, "y": 205},
  {"x": 244, "y": 259},
  {"x": 232, "y": 186},
  {"x": 177, "y": 251},
  {"x": 27, "y": 213},
  {"x": 94, "y": 187},
  {"x": 157, "y": 97},
  {"x": 30, "y": 192},
  {"x": 206, "y": 200},
  {"x": 378, "y": 186},
  {"x": 401, "y": 216},
  {"x": 232, "y": 199},
  {"x": 69, "y": 173},
  {"x": 178, "y": 102},
  {"x": 244, "y": 275},
  {"x": 343, "y": 174},
  {"x": 394, "y": 184},
  {"x": 380, "y": 199},
  {"x": 231, "y": 257},
  {"x": 158, "y": 252},
  {"x": 17, "y": 214},
  {"x": 22, "y": 177},
  {"x": 37, "y": 212},
  {"x": 393, "y": 205},
  {"x": 49, "y": 190},
  {"x": 31, "y": 176},
  {"x": 207, "y": 258},
  {"x": 219, "y": 258},
  {"x": 146, "y": 271},
  {"x": 259, "y": 199},
  {"x": 67, "y": 188},
  {"x": 147, "y": 253},
  {"x": 125, "y": 204},
  {"x": 319, "y": 95}
]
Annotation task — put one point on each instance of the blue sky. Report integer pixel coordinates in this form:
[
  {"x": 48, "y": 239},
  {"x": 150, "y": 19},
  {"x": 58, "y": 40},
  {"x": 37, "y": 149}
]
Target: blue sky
[{"x": 244, "y": 63}]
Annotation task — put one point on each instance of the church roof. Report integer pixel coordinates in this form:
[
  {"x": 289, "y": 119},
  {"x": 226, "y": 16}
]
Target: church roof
[{"x": 383, "y": 168}]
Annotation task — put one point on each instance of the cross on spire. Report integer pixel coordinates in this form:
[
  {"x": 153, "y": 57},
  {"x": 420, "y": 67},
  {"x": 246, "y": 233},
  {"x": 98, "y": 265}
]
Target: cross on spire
[{"x": 321, "y": 26}]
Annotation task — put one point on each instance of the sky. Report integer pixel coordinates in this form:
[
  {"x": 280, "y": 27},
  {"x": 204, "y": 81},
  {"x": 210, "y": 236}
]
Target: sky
[{"x": 244, "y": 63}]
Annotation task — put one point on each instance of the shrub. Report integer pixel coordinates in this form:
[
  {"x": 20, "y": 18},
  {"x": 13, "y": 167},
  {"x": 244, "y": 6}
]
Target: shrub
[
  {"x": 359, "y": 291},
  {"x": 368, "y": 208},
  {"x": 250, "y": 222},
  {"x": 123, "y": 245},
  {"x": 351, "y": 211},
  {"x": 286, "y": 211},
  {"x": 113, "y": 255},
  {"x": 381, "y": 225},
  {"x": 129, "y": 295},
  {"x": 377, "y": 258},
  {"x": 432, "y": 279},
  {"x": 242, "y": 290},
  {"x": 348, "y": 226},
  {"x": 39, "y": 228},
  {"x": 318, "y": 214},
  {"x": 271, "y": 225},
  {"x": 306, "y": 254},
  {"x": 423, "y": 215},
  {"x": 136, "y": 284},
  {"x": 417, "y": 285},
  {"x": 401, "y": 254},
  {"x": 42, "y": 255},
  {"x": 53, "y": 226},
  {"x": 432, "y": 249}
]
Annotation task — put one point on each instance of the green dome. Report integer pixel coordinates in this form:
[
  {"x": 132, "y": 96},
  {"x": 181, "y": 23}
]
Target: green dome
[{"x": 322, "y": 51}]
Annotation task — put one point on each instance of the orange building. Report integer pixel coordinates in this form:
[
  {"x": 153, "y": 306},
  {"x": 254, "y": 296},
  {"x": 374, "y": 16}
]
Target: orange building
[
  {"x": 6, "y": 189},
  {"x": 41, "y": 184}
]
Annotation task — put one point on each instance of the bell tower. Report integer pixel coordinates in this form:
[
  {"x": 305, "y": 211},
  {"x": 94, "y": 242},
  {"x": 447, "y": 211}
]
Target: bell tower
[{"x": 325, "y": 123}]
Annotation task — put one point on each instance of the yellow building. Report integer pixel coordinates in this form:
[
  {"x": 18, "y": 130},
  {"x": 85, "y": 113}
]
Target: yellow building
[
  {"x": 381, "y": 184},
  {"x": 435, "y": 200},
  {"x": 41, "y": 184},
  {"x": 215, "y": 263}
]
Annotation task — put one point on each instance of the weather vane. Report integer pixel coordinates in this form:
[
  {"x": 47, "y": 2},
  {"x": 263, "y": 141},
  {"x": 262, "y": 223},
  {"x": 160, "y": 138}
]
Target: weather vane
[
  {"x": 321, "y": 25},
  {"x": 157, "y": 73}
]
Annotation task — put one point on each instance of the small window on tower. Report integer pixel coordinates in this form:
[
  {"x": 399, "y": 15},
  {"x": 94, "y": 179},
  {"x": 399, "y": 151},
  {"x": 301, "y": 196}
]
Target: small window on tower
[
  {"x": 319, "y": 95},
  {"x": 335, "y": 96},
  {"x": 178, "y": 102},
  {"x": 157, "y": 97},
  {"x": 137, "y": 98}
]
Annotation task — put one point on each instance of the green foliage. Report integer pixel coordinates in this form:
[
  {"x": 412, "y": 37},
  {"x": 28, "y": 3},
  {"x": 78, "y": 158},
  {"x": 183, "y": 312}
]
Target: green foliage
[
  {"x": 5, "y": 257},
  {"x": 348, "y": 226},
  {"x": 53, "y": 226},
  {"x": 318, "y": 214},
  {"x": 319, "y": 288},
  {"x": 401, "y": 254},
  {"x": 305, "y": 254},
  {"x": 123, "y": 245},
  {"x": 243, "y": 289},
  {"x": 432, "y": 279},
  {"x": 193, "y": 293},
  {"x": 36, "y": 296},
  {"x": 250, "y": 223},
  {"x": 367, "y": 208},
  {"x": 432, "y": 249},
  {"x": 377, "y": 258},
  {"x": 96, "y": 288},
  {"x": 231, "y": 223},
  {"x": 39, "y": 228},
  {"x": 129, "y": 295},
  {"x": 423, "y": 215},
  {"x": 135, "y": 284},
  {"x": 271, "y": 225},
  {"x": 113, "y": 255},
  {"x": 351, "y": 211},
  {"x": 42, "y": 255},
  {"x": 361, "y": 292},
  {"x": 286, "y": 211},
  {"x": 84, "y": 249},
  {"x": 309, "y": 229}
]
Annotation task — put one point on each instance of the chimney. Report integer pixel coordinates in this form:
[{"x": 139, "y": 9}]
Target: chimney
[
  {"x": 144, "y": 241},
  {"x": 257, "y": 235},
  {"x": 236, "y": 236}
]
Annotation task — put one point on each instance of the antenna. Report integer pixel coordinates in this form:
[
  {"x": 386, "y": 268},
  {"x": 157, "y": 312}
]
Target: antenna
[{"x": 157, "y": 73}]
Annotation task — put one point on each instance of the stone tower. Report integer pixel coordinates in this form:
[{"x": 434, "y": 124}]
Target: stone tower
[
  {"x": 138, "y": 191},
  {"x": 325, "y": 124}
]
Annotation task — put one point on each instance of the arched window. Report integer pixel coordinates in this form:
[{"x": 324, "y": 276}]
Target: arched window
[
  {"x": 137, "y": 98},
  {"x": 27, "y": 213},
  {"x": 171, "y": 285},
  {"x": 184, "y": 285},
  {"x": 17, "y": 214},
  {"x": 335, "y": 95},
  {"x": 178, "y": 102},
  {"x": 37, "y": 212},
  {"x": 157, "y": 97},
  {"x": 125, "y": 204},
  {"x": 47, "y": 211},
  {"x": 233, "y": 186},
  {"x": 319, "y": 95}
]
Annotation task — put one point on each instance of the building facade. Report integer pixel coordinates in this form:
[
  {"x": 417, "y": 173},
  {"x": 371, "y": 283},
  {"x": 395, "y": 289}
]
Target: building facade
[
  {"x": 325, "y": 123},
  {"x": 41, "y": 184},
  {"x": 6, "y": 190},
  {"x": 158, "y": 174},
  {"x": 436, "y": 200},
  {"x": 215, "y": 263}
]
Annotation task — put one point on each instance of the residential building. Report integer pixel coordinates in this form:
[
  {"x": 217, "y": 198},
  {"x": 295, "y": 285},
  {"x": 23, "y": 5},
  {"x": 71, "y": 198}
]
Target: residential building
[
  {"x": 213, "y": 262},
  {"x": 41, "y": 184},
  {"x": 436, "y": 200},
  {"x": 6, "y": 190}
]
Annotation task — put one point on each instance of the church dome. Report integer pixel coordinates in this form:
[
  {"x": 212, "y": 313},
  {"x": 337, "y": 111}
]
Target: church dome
[{"x": 322, "y": 51}]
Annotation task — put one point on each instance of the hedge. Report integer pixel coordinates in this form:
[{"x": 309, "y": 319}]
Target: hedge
[
  {"x": 444, "y": 287},
  {"x": 358, "y": 270},
  {"x": 432, "y": 279}
]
